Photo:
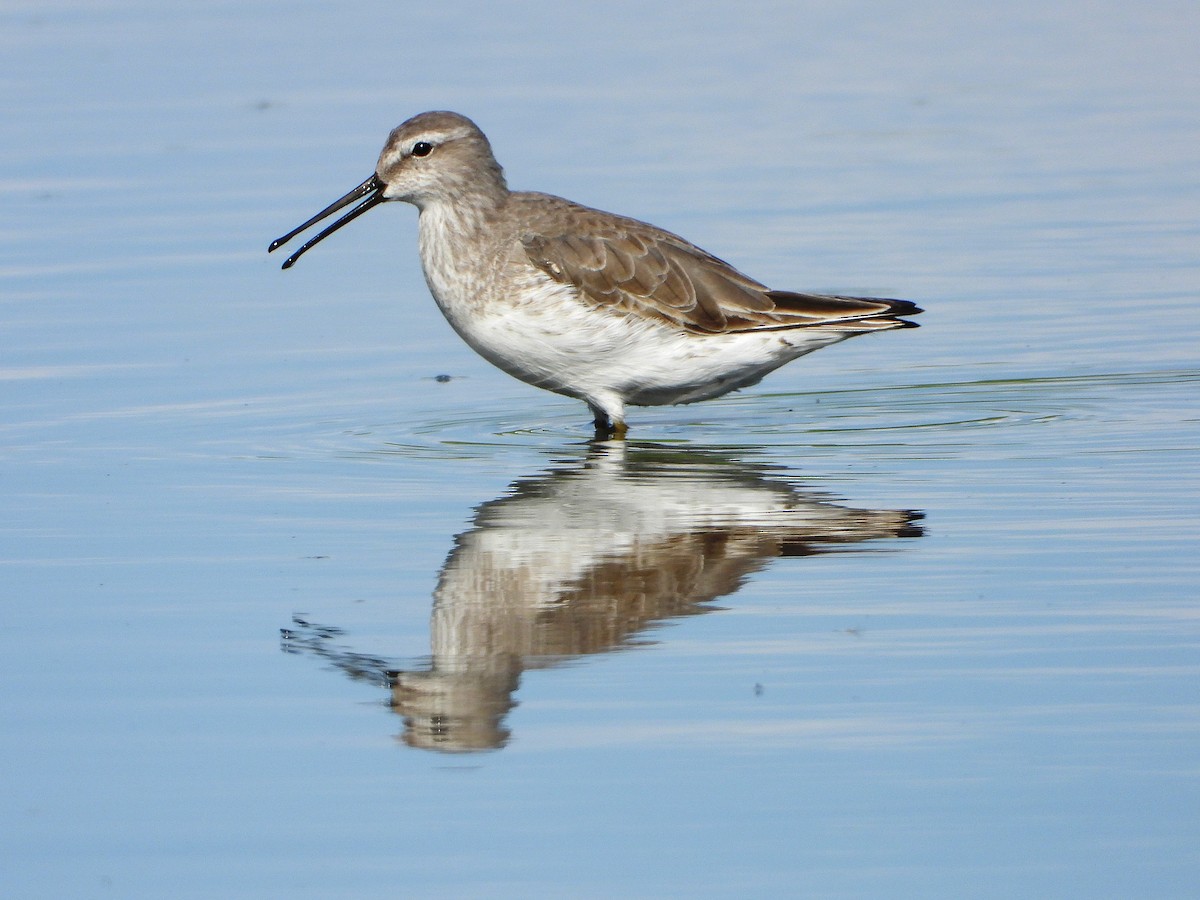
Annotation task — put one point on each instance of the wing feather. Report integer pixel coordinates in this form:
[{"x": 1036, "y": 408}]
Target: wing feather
[{"x": 636, "y": 269}]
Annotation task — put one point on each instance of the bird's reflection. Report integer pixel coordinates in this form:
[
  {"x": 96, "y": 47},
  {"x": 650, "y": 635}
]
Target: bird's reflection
[{"x": 581, "y": 559}]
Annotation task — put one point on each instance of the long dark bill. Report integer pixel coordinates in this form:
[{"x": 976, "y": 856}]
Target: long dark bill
[{"x": 371, "y": 189}]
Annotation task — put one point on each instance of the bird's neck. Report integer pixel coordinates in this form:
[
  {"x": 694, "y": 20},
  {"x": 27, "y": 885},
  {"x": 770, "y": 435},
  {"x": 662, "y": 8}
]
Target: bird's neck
[
  {"x": 460, "y": 223},
  {"x": 454, "y": 239}
]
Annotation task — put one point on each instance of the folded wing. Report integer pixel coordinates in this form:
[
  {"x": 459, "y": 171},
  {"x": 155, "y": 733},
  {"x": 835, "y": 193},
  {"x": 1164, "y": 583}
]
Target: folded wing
[{"x": 628, "y": 266}]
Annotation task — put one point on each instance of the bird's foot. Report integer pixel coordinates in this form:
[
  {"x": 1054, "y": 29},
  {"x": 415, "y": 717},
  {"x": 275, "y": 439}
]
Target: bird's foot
[{"x": 608, "y": 430}]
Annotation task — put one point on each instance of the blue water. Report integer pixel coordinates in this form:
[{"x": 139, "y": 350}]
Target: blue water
[{"x": 285, "y": 613}]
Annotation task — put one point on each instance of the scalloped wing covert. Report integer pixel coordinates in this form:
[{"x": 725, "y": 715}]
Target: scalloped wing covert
[{"x": 630, "y": 267}]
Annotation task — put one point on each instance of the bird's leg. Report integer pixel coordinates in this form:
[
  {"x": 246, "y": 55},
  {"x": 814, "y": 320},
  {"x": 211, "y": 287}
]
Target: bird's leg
[{"x": 607, "y": 428}]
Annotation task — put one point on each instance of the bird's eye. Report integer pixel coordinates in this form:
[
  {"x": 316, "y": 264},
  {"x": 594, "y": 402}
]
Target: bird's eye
[{"x": 422, "y": 148}]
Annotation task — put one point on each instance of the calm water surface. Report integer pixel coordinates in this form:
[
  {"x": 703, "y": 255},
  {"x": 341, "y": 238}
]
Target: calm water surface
[{"x": 287, "y": 614}]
